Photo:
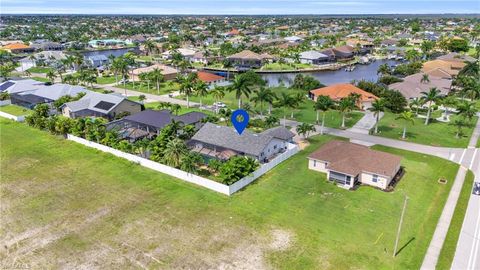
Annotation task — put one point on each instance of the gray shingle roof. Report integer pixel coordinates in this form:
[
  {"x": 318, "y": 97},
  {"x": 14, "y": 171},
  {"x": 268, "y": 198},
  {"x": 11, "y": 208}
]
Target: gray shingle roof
[
  {"x": 20, "y": 86},
  {"x": 91, "y": 99},
  {"x": 159, "y": 119},
  {"x": 279, "y": 133},
  {"x": 312, "y": 55},
  {"x": 55, "y": 91},
  {"x": 226, "y": 137}
]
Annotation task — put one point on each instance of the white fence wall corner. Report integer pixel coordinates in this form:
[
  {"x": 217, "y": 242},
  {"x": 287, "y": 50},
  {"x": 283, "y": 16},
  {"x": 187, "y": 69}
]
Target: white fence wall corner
[
  {"x": 292, "y": 149},
  {"x": 12, "y": 117}
]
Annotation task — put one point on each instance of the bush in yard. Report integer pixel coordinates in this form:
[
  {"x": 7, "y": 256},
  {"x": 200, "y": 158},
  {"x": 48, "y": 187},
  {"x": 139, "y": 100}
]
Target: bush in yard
[
  {"x": 387, "y": 79},
  {"x": 4, "y": 96},
  {"x": 395, "y": 101},
  {"x": 39, "y": 116},
  {"x": 236, "y": 168}
]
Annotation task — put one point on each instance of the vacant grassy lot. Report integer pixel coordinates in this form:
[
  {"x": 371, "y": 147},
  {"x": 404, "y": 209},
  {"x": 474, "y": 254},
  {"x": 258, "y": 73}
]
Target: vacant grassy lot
[
  {"x": 15, "y": 110},
  {"x": 67, "y": 206},
  {"x": 436, "y": 133}
]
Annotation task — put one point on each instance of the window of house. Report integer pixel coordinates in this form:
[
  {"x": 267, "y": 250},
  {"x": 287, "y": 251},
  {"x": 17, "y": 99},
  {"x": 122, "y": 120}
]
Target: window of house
[
  {"x": 375, "y": 178},
  {"x": 314, "y": 163}
]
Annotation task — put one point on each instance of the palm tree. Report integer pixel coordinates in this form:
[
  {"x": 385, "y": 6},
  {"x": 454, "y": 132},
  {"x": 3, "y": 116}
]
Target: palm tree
[
  {"x": 149, "y": 46},
  {"x": 264, "y": 95},
  {"x": 174, "y": 151},
  {"x": 378, "y": 106},
  {"x": 144, "y": 77},
  {"x": 27, "y": 73},
  {"x": 459, "y": 123},
  {"x": 187, "y": 86},
  {"x": 156, "y": 76},
  {"x": 425, "y": 78},
  {"x": 51, "y": 76},
  {"x": 383, "y": 69},
  {"x": 467, "y": 110},
  {"x": 416, "y": 103},
  {"x": 217, "y": 93},
  {"x": 345, "y": 105},
  {"x": 408, "y": 117},
  {"x": 323, "y": 104},
  {"x": 175, "y": 108},
  {"x": 242, "y": 87},
  {"x": 201, "y": 90},
  {"x": 429, "y": 97},
  {"x": 284, "y": 101},
  {"x": 304, "y": 129},
  {"x": 448, "y": 102}
]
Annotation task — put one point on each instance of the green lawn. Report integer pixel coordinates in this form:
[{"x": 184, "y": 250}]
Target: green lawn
[
  {"x": 165, "y": 87},
  {"x": 106, "y": 80},
  {"x": 304, "y": 113},
  {"x": 39, "y": 69},
  {"x": 15, "y": 110},
  {"x": 116, "y": 214},
  {"x": 279, "y": 66},
  {"x": 448, "y": 249},
  {"x": 40, "y": 79},
  {"x": 436, "y": 133}
]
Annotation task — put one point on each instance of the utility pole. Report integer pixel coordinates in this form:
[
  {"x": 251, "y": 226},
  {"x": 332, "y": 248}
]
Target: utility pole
[{"x": 400, "y": 226}]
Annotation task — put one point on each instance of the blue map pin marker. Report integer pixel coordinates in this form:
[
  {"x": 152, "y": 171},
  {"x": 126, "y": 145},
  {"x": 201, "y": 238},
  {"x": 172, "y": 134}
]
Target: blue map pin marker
[{"x": 240, "y": 126}]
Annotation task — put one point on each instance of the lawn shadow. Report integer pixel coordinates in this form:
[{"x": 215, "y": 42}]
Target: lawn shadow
[{"x": 404, "y": 246}]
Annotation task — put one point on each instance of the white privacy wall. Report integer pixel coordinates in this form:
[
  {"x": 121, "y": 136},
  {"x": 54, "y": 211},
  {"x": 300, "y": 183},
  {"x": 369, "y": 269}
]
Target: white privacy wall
[
  {"x": 12, "y": 117},
  {"x": 188, "y": 177}
]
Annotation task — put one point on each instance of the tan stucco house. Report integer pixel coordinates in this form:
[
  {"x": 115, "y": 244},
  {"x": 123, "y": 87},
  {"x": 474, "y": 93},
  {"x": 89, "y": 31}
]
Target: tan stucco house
[{"x": 348, "y": 164}]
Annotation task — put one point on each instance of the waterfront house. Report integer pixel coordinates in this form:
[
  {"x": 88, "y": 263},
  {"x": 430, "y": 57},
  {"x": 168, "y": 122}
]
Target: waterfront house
[
  {"x": 348, "y": 164},
  {"x": 18, "y": 48},
  {"x": 343, "y": 90},
  {"x": 313, "y": 57},
  {"x": 246, "y": 59},
  {"x": 169, "y": 73},
  {"x": 210, "y": 78},
  {"x": 412, "y": 86}
]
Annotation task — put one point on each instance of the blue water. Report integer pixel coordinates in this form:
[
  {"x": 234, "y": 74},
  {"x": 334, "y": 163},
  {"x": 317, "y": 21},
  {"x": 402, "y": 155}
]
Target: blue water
[{"x": 361, "y": 72}]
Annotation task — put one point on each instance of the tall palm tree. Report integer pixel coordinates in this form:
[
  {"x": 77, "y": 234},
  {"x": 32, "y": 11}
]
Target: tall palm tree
[
  {"x": 264, "y": 95},
  {"x": 416, "y": 103},
  {"x": 187, "y": 86},
  {"x": 217, "y": 93},
  {"x": 149, "y": 46},
  {"x": 51, "y": 76},
  {"x": 378, "y": 106},
  {"x": 304, "y": 129},
  {"x": 407, "y": 117},
  {"x": 345, "y": 105},
  {"x": 242, "y": 86},
  {"x": 201, "y": 90},
  {"x": 284, "y": 101},
  {"x": 467, "y": 109},
  {"x": 323, "y": 104},
  {"x": 156, "y": 76},
  {"x": 433, "y": 95}
]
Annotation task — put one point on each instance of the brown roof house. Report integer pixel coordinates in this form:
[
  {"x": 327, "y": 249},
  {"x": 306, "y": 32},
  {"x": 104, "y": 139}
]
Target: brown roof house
[
  {"x": 343, "y": 90},
  {"x": 169, "y": 73},
  {"x": 348, "y": 164},
  {"x": 412, "y": 86},
  {"x": 247, "y": 59}
]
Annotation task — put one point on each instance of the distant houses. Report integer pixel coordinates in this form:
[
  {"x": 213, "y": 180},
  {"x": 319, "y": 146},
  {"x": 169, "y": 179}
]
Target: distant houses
[{"x": 348, "y": 164}]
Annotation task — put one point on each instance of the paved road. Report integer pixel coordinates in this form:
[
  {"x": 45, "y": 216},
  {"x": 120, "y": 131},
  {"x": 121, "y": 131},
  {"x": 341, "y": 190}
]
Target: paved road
[{"x": 467, "y": 254}]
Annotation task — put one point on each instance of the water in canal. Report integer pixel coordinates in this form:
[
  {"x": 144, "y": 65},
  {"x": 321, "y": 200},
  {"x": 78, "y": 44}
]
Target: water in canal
[{"x": 365, "y": 72}]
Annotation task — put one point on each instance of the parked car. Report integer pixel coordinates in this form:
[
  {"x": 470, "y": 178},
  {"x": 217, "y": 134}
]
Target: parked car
[
  {"x": 476, "y": 188},
  {"x": 219, "y": 105}
]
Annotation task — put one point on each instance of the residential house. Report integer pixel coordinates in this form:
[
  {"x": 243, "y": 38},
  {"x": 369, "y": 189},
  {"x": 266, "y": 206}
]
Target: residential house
[
  {"x": 412, "y": 86},
  {"x": 18, "y": 48},
  {"x": 343, "y": 90},
  {"x": 210, "y": 78},
  {"x": 313, "y": 57},
  {"x": 97, "y": 60},
  {"x": 348, "y": 164},
  {"x": 100, "y": 105},
  {"x": 246, "y": 59},
  {"x": 169, "y": 73},
  {"x": 221, "y": 142},
  {"x": 149, "y": 123},
  {"x": 450, "y": 67},
  {"x": 41, "y": 58},
  {"x": 17, "y": 86},
  {"x": 96, "y": 43},
  {"x": 185, "y": 52},
  {"x": 362, "y": 46},
  {"x": 46, "y": 45},
  {"x": 45, "y": 94}
]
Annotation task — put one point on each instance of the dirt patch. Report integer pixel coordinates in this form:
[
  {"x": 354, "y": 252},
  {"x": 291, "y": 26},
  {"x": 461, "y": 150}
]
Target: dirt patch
[{"x": 281, "y": 240}]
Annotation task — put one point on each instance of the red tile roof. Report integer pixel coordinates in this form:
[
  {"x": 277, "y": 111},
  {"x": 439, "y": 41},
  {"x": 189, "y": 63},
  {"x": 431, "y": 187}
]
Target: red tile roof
[
  {"x": 208, "y": 77},
  {"x": 341, "y": 90}
]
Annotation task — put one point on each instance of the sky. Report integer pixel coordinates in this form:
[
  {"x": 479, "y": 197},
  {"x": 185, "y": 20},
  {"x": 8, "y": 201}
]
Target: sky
[{"x": 249, "y": 7}]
